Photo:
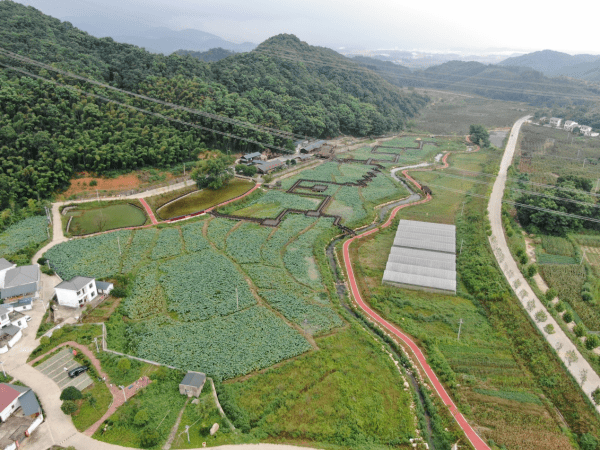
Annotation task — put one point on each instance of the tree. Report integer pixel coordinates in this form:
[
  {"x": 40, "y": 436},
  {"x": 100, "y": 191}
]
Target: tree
[
  {"x": 141, "y": 418},
  {"x": 479, "y": 135},
  {"x": 551, "y": 295},
  {"x": 579, "y": 330},
  {"x": 68, "y": 407},
  {"x": 587, "y": 441},
  {"x": 568, "y": 317},
  {"x": 531, "y": 270},
  {"x": 248, "y": 171},
  {"x": 213, "y": 173},
  {"x": 71, "y": 393},
  {"x": 124, "y": 365}
]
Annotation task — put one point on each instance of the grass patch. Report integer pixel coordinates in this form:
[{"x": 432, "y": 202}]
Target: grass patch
[
  {"x": 204, "y": 199},
  {"x": 95, "y": 402},
  {"x": 93, "y": 220},
  {"x": 81, "y": 334}
]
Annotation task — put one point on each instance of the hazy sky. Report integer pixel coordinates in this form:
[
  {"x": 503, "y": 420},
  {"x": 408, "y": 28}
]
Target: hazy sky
[{"x": 424, "y": 24}]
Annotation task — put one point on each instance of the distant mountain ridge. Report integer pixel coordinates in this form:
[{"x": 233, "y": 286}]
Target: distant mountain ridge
[
  {"x": 157, "y": 39},
  {"x": 555, "y": 64}
]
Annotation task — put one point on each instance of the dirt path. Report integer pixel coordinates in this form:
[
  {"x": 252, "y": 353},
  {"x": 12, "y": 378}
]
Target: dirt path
[{"x": 171, "y": 438}]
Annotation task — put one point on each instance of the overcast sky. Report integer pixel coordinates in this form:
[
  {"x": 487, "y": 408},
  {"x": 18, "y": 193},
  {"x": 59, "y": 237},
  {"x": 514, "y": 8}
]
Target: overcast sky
[{"x": 424, "y": 25}]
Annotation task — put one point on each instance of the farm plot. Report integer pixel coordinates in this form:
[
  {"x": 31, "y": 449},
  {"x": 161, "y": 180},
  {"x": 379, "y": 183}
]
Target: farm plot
[
  {"x": 273, "y": 203},
  {"x": 244, "y": 243},
  {"x": 218, "y": 229},
  {"x": 348, "y": 204},
  {"x": 141, "y": 244},
  {"x": 168, "y": 244},
  {"x": 147, "y": 298},
  {"x": 556, "y": 250},
  {"x": 592, "y": 254},
  {"x": 193, "y": 237},
  {"x": 568, "y": 281},
  {"x": 30, "y": 231},
  {"x": 225, "y": 347},
  {"x": 96, "y": 256},
  {"x": 87, "y": 220},
  {"x": 381, "y": 188},
  {"x": 364, "y": 153},
  {"x": 273, "y": 248},
  {"x": 205, "y": 287}
]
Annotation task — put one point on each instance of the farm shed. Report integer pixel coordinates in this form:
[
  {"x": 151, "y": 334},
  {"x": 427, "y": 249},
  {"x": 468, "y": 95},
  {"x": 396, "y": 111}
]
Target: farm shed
[
  {"x": 250, "y": 158},
  {"x": 192, "y": 384},
  {"x": 312, "y": 146},
  {"x": 269, "y": 166},
  {"x": 423, "y": 256},
  {"x": 104, "y": 287}
]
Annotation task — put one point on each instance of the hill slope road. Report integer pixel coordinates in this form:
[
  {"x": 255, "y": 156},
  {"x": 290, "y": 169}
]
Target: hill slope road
[{"x": 558, "y": 340}]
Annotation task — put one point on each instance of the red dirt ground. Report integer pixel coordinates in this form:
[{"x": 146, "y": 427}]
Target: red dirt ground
[{"x": 120, "y": 183}]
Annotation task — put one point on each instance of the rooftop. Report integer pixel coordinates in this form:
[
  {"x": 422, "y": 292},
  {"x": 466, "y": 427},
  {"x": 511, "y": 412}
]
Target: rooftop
[
  {"x": 29, "y": 403},
  {"x": 74, "y": 284},
  {"x": 195, "y": 379},
  {"x": 22, "y": 275},
  {"x": 4, "y": 264},
  {"x": 103, "y": 285},
  {"x": 7, "y": 395},
  {"x": 10, "y": 330}
]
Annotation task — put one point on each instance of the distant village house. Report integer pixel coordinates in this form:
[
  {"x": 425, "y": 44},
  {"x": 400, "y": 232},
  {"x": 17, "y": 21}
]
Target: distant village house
[
  {"x": 18, "y": 281},
  {"x": 555, "y": 122},
  {"x": 80, "y": 290},
  {"x": 192, "y": 384}
]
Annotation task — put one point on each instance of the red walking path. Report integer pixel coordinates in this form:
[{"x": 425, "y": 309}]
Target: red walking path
[
  {"x": 473, "y": 437},
  {"x": 149, "y": 211}
]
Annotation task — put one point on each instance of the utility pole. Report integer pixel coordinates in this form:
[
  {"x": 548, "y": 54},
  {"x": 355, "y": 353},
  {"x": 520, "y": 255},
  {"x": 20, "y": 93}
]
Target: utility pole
[
  {"x": 184, "y": 169},
  {"x": 98, "y": 196},
  {"x": 119, "y": 244},
  {"x": 96, "y": 342},
  {"x": 237, "y": 299},
  {"x": 460, "y": 322},
  {"x": 462, "y": 210},
  {"x": 597, "y": 185},
  {"x": 461, "y": 244},
  {"x": 582, "y": 256}
]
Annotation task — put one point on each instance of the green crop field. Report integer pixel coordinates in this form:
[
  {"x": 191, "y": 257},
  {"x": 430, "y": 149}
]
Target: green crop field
[
  {"x": 27, "y": 232},
  {"x": 221, "y": 281},
  {"x": 204, "y": 199},
  {"x": 274, "y": 202},
  {"x": 88, "y": 220}
]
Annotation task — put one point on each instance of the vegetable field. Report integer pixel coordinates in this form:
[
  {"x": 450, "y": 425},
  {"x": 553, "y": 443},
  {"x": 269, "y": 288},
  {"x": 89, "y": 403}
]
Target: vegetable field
[{"x": 30, "y": 231}]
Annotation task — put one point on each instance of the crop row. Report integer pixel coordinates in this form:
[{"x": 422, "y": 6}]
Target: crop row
[
  {"x": 30, "y": 231},
  {"x": 217, "y": 231},
  {"x": 555, "y": 245},
  {"x": 205, "y": 287},
  {"x": 381, "y": 187},
  {"x": 168, "y": 244},
  {"x": 96, "y": 256},
  {"x": 292, "y": 225},
  {"x": 140, "y": 245},
  {"x": 348, "y": 204},
  {"x": 227, "y": 347}
]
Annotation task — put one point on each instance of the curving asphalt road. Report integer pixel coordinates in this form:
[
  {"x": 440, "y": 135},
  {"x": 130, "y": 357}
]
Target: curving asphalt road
[{"x": 558, "y": 340}]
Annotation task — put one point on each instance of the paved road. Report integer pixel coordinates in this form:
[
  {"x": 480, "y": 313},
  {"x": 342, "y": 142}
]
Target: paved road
[{"x": 558, "y": 340}]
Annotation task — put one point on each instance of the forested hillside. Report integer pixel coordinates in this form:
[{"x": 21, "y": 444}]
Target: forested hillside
[
  {"x": 493, "y": 81},
  {"x": 212, "y": 55},
  {"x": 48, "y": 132}
]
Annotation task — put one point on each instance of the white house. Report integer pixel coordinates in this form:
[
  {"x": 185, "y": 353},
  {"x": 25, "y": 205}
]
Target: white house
[
  {"x": 585, "y": 130},
  {"x": 11, "y": 323},
  {"x": 569, "y": 125},
  {"x": 76, "y": 292},
  {"x": 555, "y": 122}
]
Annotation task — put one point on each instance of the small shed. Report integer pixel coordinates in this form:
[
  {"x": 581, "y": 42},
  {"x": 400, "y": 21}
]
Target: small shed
[
  {"x": 426, "y": 190},
  {"x": 104, "y": 287},
  {"x": 319, "y": 188},
  {"x": 192, "y": 384}
]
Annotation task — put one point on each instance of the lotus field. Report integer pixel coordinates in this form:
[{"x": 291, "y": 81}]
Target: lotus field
[
  {"x": 215, "y": 295},
  {"x": 30, "y": 231}
]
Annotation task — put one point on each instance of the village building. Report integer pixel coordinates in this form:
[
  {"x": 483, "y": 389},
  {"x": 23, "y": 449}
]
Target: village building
[
  {"x": 192, "y": 384},
  {"x": 585, "y": 130},
  {"x": 312, "y": 147},
  {"x": 250, "y": 158},
  {"x": 570, "y": 125},
  {"x": 76, "y": 292},
  {"x": 20, "y": 413},
  {"x": 19, "y": 281},
  {"x": 269, "y": 166},
  {"x": 555, "y": 122}
]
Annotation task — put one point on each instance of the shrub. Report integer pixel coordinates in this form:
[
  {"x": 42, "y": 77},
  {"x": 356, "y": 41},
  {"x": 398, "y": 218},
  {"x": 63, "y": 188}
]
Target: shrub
[
  {"x": 531, "y": 270},
  {"x": 124, "y": 365},
  {"x": 586, "y": 297},
  {"x": 596, "y": 396},
  {"x": 588, "y": 442},
  {"x": 45, "y": 340},
  {"x": 568, "y": 317},
  {"x": 141, "y": 418},
  {"x": 149, "y": 438},
  {"x": 579, "y": 330},
  {"x": 119, "y": 292},
  {"x": 71, "y": 393},
  {"x": 68, "y": 407},
  {"x": 592, "y": 341},
  {"x": 560, "y": 307},
  {"x": 93, "y": 183},
  {"x": 541, "y": 316},
  {"x": 551, "y": 294},
  {"x": 56, "y": 334},
  {"x": 549, "y": 328}
]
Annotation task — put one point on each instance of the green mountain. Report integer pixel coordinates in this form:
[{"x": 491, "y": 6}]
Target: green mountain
[
  {"x": 212, "y": 55},
  {"x": 48, "y": 132},
  {"x": 512, "y": 83},
  {"x": 549, "y": 62}
]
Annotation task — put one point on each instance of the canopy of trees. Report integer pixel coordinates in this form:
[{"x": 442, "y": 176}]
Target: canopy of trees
[
  {"x": 47, "y": 132},
  {"x": 479, "y": 135},
  {"x": 570, "y": 200},
  {"x": 213, "y": 173}
]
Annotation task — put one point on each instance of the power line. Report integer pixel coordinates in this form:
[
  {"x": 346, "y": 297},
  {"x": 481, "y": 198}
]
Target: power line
[
  {"x": 272, "y": 131},
  {"x": 171, "y": 119}
]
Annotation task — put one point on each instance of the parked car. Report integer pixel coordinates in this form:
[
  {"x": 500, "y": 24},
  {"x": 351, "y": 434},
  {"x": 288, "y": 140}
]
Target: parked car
[
  {"x": 27, "y": 318},
  {"x": 77, "y": 371}
]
